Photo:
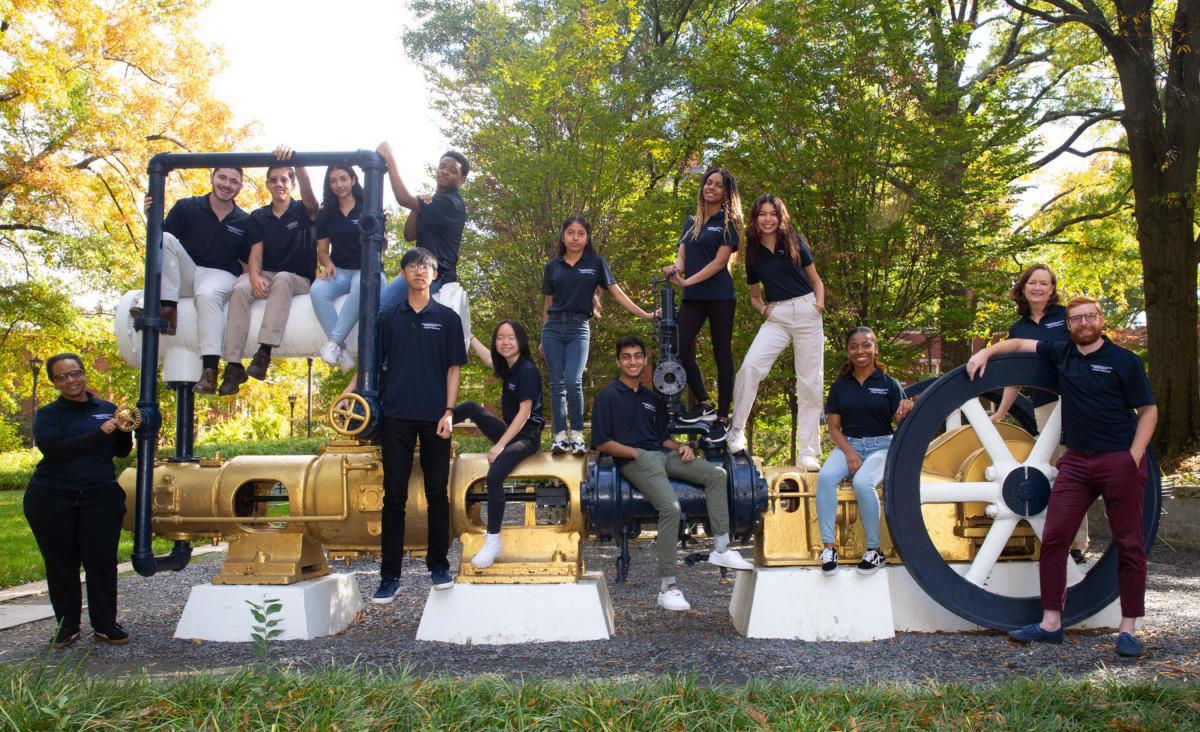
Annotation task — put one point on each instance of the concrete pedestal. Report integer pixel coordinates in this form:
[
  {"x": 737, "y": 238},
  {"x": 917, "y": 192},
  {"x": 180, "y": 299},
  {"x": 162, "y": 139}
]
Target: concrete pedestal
[
  {"x": 486, "y": 614},
  {"x": 311, "y": 609},
  {"x": 801, "y": 603}
]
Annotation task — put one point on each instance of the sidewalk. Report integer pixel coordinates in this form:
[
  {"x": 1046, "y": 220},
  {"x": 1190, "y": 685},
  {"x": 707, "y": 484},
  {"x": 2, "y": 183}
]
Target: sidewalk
[{"x": 27, "y": 603}]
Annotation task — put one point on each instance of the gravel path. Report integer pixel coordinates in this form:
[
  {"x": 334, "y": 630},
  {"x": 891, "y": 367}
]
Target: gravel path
[{"x": 647, "y": 640}]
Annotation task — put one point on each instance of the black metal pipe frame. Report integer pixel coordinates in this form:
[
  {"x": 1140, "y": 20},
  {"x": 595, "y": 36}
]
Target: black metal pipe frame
[
  {"x": 185, "y": 421},
  {"x": 151, "y": 322}
]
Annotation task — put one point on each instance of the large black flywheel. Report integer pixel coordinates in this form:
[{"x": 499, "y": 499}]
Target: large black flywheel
[{"x": 1015, "y": 492}]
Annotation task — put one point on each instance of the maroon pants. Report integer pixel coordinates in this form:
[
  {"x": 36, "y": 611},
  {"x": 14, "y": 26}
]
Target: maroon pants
[{"x": 1082, "y": 476}]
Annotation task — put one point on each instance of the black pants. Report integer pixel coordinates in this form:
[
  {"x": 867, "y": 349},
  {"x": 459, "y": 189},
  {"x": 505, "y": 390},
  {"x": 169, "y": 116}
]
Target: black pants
[
  {"x": 74, "y": 528},
  {"x": 719, "y": 314},
  {"x": 400, "y": 438},
  {"x": 522, "y": 446}
]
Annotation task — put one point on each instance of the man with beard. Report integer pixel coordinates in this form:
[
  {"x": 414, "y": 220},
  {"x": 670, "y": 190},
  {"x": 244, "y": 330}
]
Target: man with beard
[{"x": 1102, "y": 387}]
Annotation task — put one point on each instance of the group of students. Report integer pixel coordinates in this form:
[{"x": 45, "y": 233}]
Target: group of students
[{"x": 424, "y": 344}]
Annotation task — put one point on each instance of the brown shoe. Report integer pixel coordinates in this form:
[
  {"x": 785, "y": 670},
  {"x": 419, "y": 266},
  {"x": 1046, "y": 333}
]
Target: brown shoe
[
  {"x": 169, "y": 313},
  {"x": 207, "y": 383},
  {"x": 258, "y": 366},
  {"x": 235, "y": 376}
]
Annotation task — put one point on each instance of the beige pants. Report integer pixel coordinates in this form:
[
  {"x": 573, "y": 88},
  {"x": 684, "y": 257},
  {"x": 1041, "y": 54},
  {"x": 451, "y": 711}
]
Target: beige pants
[
  {"x": 284, "y": 286},
  {"x": 797, "y": 323},
  {"x": 1042, "y": 415},
  {"x": 181, "y": 277}
]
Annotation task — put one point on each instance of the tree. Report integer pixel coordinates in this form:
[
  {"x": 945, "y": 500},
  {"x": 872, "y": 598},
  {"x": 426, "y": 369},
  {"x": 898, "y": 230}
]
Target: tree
[
  {"x": 1158, "y": 67},
  {"x": 88, "y": 93}
]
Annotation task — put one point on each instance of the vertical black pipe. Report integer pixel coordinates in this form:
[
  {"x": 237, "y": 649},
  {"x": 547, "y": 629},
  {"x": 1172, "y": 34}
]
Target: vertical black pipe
[
  {"x": 310, "y": 397},
  {"x": 185, "y": 421},
  {"x": 150, "y": 322},
  {"x": 371, "y": 224}
]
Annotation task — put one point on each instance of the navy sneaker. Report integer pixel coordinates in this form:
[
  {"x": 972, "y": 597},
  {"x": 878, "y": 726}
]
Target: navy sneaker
[
  {"x": 442, "y": 579},
  {"x": 1034, "y": 632},
  {"x": 114, "y": 636},
  {"x": 1128, "y": 646},
  {"x": 716, "y": 433},
  {"x": 388, "y": 587},
  {"x": 699, "y": 413}
]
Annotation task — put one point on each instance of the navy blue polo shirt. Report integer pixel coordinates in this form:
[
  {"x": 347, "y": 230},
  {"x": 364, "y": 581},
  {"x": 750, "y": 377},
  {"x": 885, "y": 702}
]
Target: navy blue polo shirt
[
  {"x": 343, "y": 234},
  {"x": 632, "y": 418},
  {"x": 524, "y": 382},
  {"x": 282, "y": 238},
  {"x": 866, "y": 409},
  {"x": 781, "y": 279},
  {"x": 77, "y": 454},
  {"x": 1052, "y": 327},
  {"x": 701, "y": 250},
  {"x": 209, "y": 241},
  {"x": 1099, "y": 392},
  {"x": 573, "y": 286},
  {"x": 417, "y": 349},
  {"x": 440, "y": 229}
]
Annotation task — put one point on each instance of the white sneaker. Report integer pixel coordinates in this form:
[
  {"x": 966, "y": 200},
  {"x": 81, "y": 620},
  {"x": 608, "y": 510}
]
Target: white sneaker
[
  {"x": 578, "y": 446},
  {"x": 673, "y": 600},
  {"x": 486, "y": 556},
  {"x": 729, "y": 558},
  {"x": 346, "y": 360},
  {"x": 735, "y": 442},
  {"x": 810, "y": 463},
  {"x": 828, "y": 560},
  {"x": 561, "y": 444},
  {"x": 330, "y": 352}
]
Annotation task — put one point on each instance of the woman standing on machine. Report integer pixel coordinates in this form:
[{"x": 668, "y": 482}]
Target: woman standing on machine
[{"x": 706, "y": 244}]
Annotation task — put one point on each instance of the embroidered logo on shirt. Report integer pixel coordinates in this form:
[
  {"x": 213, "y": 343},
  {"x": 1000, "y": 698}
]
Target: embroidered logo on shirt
[
  {"x": 431, "y": 326},
  {"x": 1101, "y": 368},
  {"x": 1055, "y": 324},
  {"x": 586, "y": 271},
  {"x": 512, "y": 386},
  {"x": 102, "y": 417},
  {"x": 293, "y": 225},
  {"x": 235, "y": 230},
  {"x": 877, "y": 390},
  {"x": 651, "y": 407},
  {"x": 718, "y": 229}
]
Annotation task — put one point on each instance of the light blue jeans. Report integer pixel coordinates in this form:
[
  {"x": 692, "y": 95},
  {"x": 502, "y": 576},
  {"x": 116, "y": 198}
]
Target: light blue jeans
[
  {"x": 565, "y": 343},
  {"x": 324, "y": 292},
  {"x": 873, "y": 451}
]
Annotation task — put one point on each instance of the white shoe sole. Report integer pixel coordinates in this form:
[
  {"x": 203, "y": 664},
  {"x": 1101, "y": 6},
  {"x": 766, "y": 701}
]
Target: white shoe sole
[
  {"x": 730, "y": 565},
  {"x": 868, "y": 572}
]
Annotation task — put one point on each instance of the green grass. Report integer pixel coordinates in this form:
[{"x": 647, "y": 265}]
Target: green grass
[
  {"x": 37, "y": 696},
  {"x": 20, "y": 561}
]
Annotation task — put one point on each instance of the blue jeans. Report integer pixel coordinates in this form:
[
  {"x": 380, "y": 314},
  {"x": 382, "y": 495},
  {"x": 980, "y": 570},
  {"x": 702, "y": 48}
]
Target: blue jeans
[
  {"x": 565, "y": 343},
  {"x": 397, "y": 292},
  {"x": 873, "y": 451},
  {"x": 323, "y": 294}
]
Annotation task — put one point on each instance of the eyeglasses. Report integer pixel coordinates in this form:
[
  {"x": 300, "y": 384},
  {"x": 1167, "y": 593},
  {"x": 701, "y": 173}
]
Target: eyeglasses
[
  {"x": 420, "y": 266},
  {"x": 65, "y": 375},
  {"x": 1077, "y": 319}
]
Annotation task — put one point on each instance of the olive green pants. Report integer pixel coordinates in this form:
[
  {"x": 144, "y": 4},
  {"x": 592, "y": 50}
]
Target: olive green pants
[{"x": 651, "y": 474}]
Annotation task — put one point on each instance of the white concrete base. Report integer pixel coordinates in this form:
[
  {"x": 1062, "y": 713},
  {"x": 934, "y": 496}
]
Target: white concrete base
[
  {"x": 311, "y": 609},
  {"x": 482, "y": 614},
  {"x": 801, "y": 603}
]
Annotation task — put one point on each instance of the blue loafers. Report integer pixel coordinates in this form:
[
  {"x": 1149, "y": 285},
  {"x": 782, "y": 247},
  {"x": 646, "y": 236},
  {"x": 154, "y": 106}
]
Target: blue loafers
[
  {"x": 1035, "y": 634},
  {"x": 1128, "y": 646}
]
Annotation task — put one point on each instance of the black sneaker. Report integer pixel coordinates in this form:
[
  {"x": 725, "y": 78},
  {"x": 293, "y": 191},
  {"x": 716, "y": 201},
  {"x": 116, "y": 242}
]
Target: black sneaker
[
  {"x": 388, "y": 587},
  {"x": 699, "y": 413},
  {"x": 829, "y": 560},
  {"x": 1078, "y": 556},
  {"x": 114, "y": 636},
  {"x": 716, "y": 433},
  {"x": 871, "y": 562},
  {"x": 64, "y": 637}
]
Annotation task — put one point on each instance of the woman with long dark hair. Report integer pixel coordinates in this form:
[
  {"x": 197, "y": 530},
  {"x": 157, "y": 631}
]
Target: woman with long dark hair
[
  {"x": 863, "y": 402},
  {"x": 569, "y": 283},
  {"x": 74, "y": 505},
  {"x": 339, "y": 254},
  {"x": 788, "y": 293},
  {"x": 708, "y": 241},
  {"x": 517, "y": 435}
]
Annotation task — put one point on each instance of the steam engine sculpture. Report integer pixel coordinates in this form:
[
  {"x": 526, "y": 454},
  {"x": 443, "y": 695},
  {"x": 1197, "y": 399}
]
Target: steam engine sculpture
[{"x": 961, "y": 500}]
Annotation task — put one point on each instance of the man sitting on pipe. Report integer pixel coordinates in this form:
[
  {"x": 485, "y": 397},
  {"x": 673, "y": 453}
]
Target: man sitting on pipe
[
  {"x": 1102, "y": 387},
  {"x": 628, "y": 424}
]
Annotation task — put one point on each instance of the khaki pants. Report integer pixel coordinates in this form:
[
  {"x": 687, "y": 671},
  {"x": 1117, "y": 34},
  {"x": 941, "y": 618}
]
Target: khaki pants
[
  {"x": 797, "y": 323},
  {"x": 181, "y": 277},
  {"x": 1042, "y": 415},
  {"x": 284, "y": 285},
  {"x": 650, "y": 474}
]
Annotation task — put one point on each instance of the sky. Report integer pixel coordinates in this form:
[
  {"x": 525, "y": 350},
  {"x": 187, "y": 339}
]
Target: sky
[{"x": 350, "y": 85}]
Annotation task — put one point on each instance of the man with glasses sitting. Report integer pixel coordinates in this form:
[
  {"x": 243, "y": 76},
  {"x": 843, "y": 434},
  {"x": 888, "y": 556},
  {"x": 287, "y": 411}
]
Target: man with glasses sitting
[{"x": 1108, "y": 419}]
